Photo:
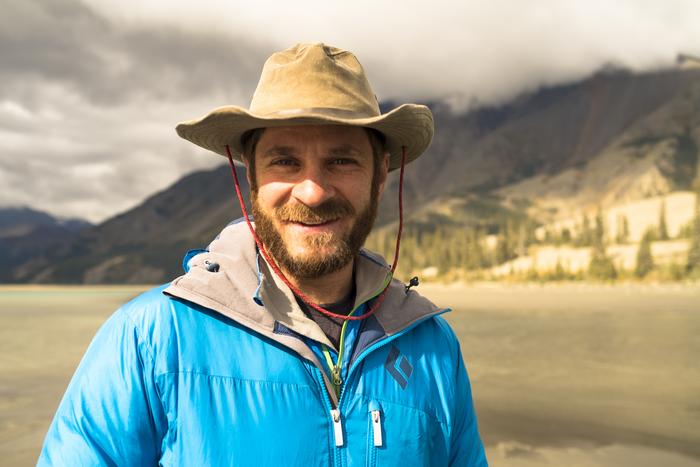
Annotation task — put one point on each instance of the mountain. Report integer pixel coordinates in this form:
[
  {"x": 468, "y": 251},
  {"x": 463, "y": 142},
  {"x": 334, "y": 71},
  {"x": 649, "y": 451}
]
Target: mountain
[
  {"x": 612, "y": 138},
  {"x": 546, "y": 133},
  {"x": 655, "y": 154},
  {"x": 552, "y": 129},
  {"x": 26, "y": 233},
  {"x": 145, "y": 244}
]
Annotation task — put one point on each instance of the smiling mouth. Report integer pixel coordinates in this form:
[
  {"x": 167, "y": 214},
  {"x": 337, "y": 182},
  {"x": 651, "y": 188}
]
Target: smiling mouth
[{"x": 314, "y": 224}]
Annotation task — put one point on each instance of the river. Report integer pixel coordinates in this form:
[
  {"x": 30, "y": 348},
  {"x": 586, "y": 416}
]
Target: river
[{"x": 562, "y": 374}]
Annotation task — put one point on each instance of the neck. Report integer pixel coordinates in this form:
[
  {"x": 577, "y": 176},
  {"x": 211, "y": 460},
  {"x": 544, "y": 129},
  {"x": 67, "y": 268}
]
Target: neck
[{"x": 330, "y": 288}]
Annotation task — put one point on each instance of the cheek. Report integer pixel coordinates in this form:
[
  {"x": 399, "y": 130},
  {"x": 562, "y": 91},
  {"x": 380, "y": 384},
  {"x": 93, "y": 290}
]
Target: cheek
[
  {"x": 359, "y": 193},
  {"x": 271, "y": 195}
]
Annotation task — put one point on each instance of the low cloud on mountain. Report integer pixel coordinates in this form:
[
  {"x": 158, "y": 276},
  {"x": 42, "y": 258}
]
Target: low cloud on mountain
[{"x": 91, "y": 91}]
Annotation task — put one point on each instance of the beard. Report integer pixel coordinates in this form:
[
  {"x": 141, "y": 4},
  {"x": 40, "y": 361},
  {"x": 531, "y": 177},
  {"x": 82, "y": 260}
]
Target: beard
[{"x": 343, "y": 247}]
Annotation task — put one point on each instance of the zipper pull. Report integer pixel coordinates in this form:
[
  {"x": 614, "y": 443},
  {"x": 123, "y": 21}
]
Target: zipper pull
[
  {"x": 335, "y": 376},
  {"x": 376, "y": 416},
  {"x": 334, "y": 369},
  {"x": 377, "y": 427},
  {"x": 337, "y": 427}
]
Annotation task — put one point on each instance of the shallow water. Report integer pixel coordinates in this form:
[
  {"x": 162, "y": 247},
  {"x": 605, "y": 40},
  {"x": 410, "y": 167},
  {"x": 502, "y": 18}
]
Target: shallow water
[
  {"x": 44, "y": 332},
  {"x": 576, "y": 375},
  {"x": 593, "y": 374}
]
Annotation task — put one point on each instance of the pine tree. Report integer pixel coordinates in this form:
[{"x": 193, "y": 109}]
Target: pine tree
[
  {"x": 645, "y": 261},
  {"x": 693, "y": 262},
  {"x": 521, "y": 249},
  {"x": 663, "y": 230},
  {"x": 623, "y": 229},
  {"x": 503, "y": 242},
  {"x": 598, "y": 240},
  {"x": 566, "y": 235},
  {"x": 548, "y": 236},
  {"x": 585, "y": 233},
  {"x": 407, "y": 263},
  {"x": 475, "y": 252},
  {"x": 531, "y": 237},
  {"x": 601, "y": 266}
]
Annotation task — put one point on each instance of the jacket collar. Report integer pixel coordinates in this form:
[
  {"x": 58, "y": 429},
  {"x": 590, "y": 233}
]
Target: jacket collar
[{"x": 245, "y": 289}]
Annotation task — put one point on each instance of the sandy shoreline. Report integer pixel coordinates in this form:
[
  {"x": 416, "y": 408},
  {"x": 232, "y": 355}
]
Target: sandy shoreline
[
  {"x": 564, "y": 296},
  {"x": 571, "y": 374}
]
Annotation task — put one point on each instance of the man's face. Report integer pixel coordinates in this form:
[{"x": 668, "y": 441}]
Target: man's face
[{"x": 315, "y": 195}]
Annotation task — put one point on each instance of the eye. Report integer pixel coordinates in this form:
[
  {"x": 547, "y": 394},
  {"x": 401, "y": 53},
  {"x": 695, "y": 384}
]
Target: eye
[
  {"x": 343, "y": 161},
  {"x": 284, "y": 161}
]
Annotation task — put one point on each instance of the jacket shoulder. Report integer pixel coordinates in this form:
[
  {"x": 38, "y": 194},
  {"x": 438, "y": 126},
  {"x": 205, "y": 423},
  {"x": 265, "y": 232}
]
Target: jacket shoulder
[
  {"x": 150, "y": 307},
  {"x": 154, "y": 317},
  {"x": 448, "y": 334}
]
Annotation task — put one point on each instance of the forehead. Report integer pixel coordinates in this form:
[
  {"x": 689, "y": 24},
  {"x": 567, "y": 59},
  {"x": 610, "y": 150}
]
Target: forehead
[{"x": 324, "y": 137}]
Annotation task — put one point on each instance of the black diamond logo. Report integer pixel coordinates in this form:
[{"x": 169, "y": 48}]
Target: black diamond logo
[{"x": 399, "y": 369}]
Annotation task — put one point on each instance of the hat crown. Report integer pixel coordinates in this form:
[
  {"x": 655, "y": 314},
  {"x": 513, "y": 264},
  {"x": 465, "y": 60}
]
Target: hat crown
[{"x": 314, "y": 78}]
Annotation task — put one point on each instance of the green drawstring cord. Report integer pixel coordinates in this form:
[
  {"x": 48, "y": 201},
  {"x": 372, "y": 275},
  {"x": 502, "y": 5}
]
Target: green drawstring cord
[{"x": 336, "y": 368}]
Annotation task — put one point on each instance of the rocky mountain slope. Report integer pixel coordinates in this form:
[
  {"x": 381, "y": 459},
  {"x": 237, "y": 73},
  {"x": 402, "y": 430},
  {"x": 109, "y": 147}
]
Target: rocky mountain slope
[
  {"x": 655, "y": 155},
  {"x": 612, "y": 138},
  {"x": 145, "y": 244},
  {"x": 26, "y": 233},
  {"x": 556, "y": 130}
]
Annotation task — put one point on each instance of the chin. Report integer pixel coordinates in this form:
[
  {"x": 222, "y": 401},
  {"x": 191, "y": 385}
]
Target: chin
[{"x": 313, "y": 253}]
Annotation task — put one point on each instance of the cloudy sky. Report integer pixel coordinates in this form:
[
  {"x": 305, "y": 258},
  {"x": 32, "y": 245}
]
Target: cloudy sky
[{"x": 90, "y": 91}]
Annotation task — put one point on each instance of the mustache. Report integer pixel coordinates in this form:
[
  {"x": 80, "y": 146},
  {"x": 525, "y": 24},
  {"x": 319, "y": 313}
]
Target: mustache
[{"x": 330, "y": 210}]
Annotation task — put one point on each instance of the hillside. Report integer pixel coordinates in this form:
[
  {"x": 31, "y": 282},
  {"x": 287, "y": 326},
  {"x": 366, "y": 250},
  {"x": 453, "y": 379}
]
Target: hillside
[
  {"x": 542, "y": 134},
  {"x": 655, "y": 155},
  {"x": 145, "y": 244},
  {"x": 26, "y": 233},
  {"x": 543, "y": 158}
]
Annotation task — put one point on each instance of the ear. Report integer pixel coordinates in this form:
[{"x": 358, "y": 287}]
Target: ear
[{"x": 383, "y": 173}]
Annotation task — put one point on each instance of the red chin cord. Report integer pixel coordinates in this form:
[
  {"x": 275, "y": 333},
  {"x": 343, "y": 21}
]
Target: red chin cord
[{"x": 377, "y": 303}]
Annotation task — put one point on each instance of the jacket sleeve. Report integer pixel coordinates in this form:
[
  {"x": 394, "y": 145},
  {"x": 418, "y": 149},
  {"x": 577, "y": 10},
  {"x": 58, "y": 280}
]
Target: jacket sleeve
[
  {"x": 111, "y": 413},
  {"x": 467, "y": 448}
]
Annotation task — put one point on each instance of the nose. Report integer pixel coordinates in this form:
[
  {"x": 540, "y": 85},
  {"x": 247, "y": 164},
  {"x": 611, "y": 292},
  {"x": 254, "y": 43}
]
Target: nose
[{"x": 313, "y": 188}]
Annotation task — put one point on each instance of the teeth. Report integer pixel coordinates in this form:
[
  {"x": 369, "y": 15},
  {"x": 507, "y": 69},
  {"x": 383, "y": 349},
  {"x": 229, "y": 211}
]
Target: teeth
[
  {"x": 310, "y": 222},
  {"x": 315, "y": 223}
]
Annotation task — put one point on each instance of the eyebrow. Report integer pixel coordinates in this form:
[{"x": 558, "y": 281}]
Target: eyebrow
[
  {"x": 280, "y": 151},
  {"x": 343, "y": 150}
]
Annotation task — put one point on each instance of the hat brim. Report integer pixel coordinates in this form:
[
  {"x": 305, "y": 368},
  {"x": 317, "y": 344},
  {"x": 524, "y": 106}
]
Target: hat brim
[{"x": 408, "y": 125}]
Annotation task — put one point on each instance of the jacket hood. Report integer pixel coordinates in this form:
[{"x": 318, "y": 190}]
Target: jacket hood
[{"x": 234, "y": 280}]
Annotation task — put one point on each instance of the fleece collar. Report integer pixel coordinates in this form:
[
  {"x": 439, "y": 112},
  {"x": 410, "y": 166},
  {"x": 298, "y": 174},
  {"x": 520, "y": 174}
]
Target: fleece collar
[{"x": 234, "y": 280}]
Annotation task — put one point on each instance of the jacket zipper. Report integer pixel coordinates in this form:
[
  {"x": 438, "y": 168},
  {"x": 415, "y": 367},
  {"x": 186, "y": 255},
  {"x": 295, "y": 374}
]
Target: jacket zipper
[
  {"x": 374, "y": 433},
  {"x": 376, "y": 417},
  {"x": 337, "y": 368},
  {"x": 335, "y": 418},
  {"x": 335, "y": 376},
  {"x": 338, "y": 387},
  {"x": 337, "y": 427}
]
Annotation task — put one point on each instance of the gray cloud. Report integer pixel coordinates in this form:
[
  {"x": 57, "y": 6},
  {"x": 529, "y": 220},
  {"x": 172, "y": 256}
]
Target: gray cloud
[
  {"x": 486, "y": 50},
  {"x": 90, "y": 91},
  {"x": 88, "y": 107},
  {"x": 67, "y": 43}
]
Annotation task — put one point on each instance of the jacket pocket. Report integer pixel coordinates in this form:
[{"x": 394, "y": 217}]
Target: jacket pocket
[
  {"x": 375, "y": 437},
  {"x": 409, "y": 437}
]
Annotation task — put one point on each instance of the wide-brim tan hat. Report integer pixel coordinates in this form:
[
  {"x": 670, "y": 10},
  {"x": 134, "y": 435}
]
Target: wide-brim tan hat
[{"x": 312, "y": 84}]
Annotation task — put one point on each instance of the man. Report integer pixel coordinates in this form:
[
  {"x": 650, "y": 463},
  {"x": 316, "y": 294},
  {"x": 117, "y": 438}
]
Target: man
[{"x": 235, "y": 362}]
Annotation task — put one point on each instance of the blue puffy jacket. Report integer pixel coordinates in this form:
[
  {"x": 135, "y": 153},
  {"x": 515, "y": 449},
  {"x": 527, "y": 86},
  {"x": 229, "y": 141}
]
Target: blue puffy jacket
[{"x": 222, "y": 368}]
